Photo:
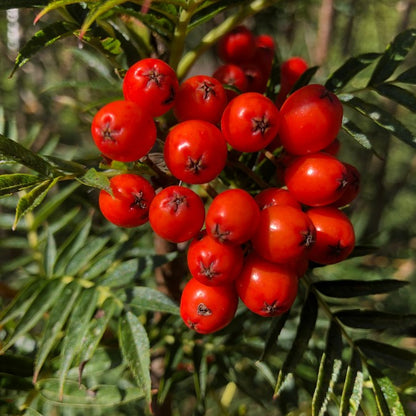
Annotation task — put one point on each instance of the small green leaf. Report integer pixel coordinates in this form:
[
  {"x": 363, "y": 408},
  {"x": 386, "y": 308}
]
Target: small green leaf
[
  {"x": 120, "y": 275},
  {"x": 146, "y": 298},
  {"x": 349, "y": 288},
  {"x": 353, "y": 387},
  {"x": 370, "y": 319},
  {"x": 329, "y": 370},
  {"x": 356, "y": 133},
  {"x": 305, "y": 78},
  {"x": 408, "y": 76},
  {"x": 388, "y": 400},
  {"x": 77, "y": 327},
  {"x": 14, "y": 182},
  {"x": 32, "y": 199},
  {"x": 273, "y": 333},
  {"x": 394, "y": 55},
  {"x": 348, "y": 70},
  {"x": 397, "y": 94},
  {"x": 65, "y": 166},
  {"x": 304, "y": 332},
  {"x": 11, "y": 151},
  {"x": 96, "y": 179},
  {"x": 41, "y": 39},
  {"x": 49, "y": 254},
  {"x": 380, "y": 117},
  {"x": 135, "y": 347},
  {"x": 387, "y": 355}
]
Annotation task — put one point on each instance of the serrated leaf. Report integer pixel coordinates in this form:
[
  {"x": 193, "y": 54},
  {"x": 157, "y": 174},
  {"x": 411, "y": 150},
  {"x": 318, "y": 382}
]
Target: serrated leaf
[
  {"x": 394, "y": 55},
  {"x": 58, "y": 316},
  {"x": 329, "y": 370},
  {"x": 387, "y": 398},
  {"x": 397, "y": 94},
  {"x": 353, "y": 387},
  {"x": 371, "y": 319},
  {"x": 146, "y": 298},
  {"x": 11, "y": 151},
  {"x": 41, "y": 39},
  {"x": 349, "y": 288},
  {"x": 276, "y": 326},
  {"x": 32, "y": 199},
  {"x": 14, "y": 182},
  {"x": 43, "y": 301},
  {"x": 304, "y": 332},
  {"x": 78, "y": 323},
  {"x": 356, "y": 133},
  {"x": 96, "y": 179},
  {"x": 135, "y": 347},
  {"x": 387, "y": 355},
  {"x": 408, "y": 76},
  {"x": 349, "y": 69},
  {"x": 380, "y": 117}
]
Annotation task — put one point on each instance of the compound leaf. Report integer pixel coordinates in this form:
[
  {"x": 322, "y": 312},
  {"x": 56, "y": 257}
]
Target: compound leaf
[
  {"x": 397, "y": 94},
  {"x": 15, "y": 182},
  {"x": 408, "y": 76}
]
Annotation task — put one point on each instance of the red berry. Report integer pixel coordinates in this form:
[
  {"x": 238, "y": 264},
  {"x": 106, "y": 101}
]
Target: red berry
[
  {"x": 276, "y": 196},
  {"x": 233, "y": 76},
  {"x": 237, "y": 46}
]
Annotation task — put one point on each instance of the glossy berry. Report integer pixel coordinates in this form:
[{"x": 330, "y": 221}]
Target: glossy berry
[
  {"x": 317, "y": 179},
  {"x": 276, "y": 196},
  {"x": 152, "y": 84},
  {"x": 267, "y": 289},
  {"x": 232, "y": 217},
  {"x": 123, "y": 131},
  {"x": 352, "y": 187},
  {"x": 207, "y": 309},
  {"x": 335, "y": 237},
  {"x": 237, "y": 46},
  {"x": 177, "y": 213},
  {"x": 311, "y": 119},
  {"x": 284, "y": 234},
  {"x": 195, "y": 151},
  {"x": 200, "y": 97},
  {"x": 213, "y": 263},
  {"x": 233, "y": 76},
  {"x": 129, "y": 204},
  {"x": 250, "y": 122}
]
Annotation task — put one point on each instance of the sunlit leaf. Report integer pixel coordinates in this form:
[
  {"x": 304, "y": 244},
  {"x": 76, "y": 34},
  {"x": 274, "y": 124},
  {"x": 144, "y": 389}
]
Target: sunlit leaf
[
  {"x": 14, "y": 182},
  {"x": 394, "y": 55},
  {"x": 356, "y": 133},
  {"x": 135, "y": 347},
  {"x": 329, "y": 369},
  {"x": 146, "y": 298},
  {"x": 349, "y": 288},
  {"x": 353, "y": 387},
  {"x": 96, "y": 179}
]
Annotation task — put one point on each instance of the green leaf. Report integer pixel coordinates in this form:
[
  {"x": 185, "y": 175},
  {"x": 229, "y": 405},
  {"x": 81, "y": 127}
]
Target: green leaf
[
  {"x": 353, "y": 387},
  {"x": 135, "y": 347},
  {"x": 304, "y": 332},
  {"x": 151, "y": 299},
  {"x": 32, "y": 199},
  {"x": 49, "y": 256},
  {"x": 408, "y": 76},
  {"x": 18, "y": 365},
  {"x": 46, "y": 297},
  {"x": 394, "y": 55},
  {"x": 14, "y": 182},
  {"x": 329, "y": 370},
  {"x": 388, "y": 400},
  {"x": 13, "y": 382},
  {"x": 356, "y": 133},
  {"x": 58, "y": 316},
  {"x": 121, "y": 274},
  {"x": 11, "y": 151},
  {"x": 349, "y": 288},
  {"x": 77, "y": 328},
  {"x": 397, "y": 94},
  {"x": 52, "y": 5},
  {"x": 305, "y": 78},
  {"x": 387, "y": 355},
  {"x": 380, "y": 117},
  {"x": 96, "y": 179},
  {"x": 41, "y": 39},
  {"x": 370, "y": 319},
  {"x": 65, "y": 166},
  {"x": 348, "y": 70},
  {"x": 273, "y": 333},
  {"x": 11, "y": 4}
]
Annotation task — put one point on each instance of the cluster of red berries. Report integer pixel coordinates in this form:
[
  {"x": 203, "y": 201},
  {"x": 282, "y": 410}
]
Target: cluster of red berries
[{"x": 243, "y": 246}]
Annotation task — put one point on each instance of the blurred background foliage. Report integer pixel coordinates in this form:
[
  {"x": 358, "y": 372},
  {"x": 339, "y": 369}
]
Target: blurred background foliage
[{"x": 48, "y": 104}]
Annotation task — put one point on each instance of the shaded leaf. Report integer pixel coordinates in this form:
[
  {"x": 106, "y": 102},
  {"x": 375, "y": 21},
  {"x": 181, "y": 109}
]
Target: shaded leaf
[
  {"x": 14, "y": 182},
  {"x": 52, "y": 5},
  {"x": 387, "y": 398},
  {"x": 96, "y": 180},
  {"x": 371, "y": 319},
  {"x": 11, "y": 151},
  {"x": 135, "y": 347},
  {"x": 57, "y": 318},
  {"x": 32, "y": 199},
  {"x": 305, "y": 78},
  {"x": 394, "y": 55},
  {"x": 349, "y": 288},
  {"x": 10, "y": 4},
  {"x": 408, "y": 76},
  {"x": 41, "y": 39},
  {"x": 65, "y": 166},
  {"x": 151, "y": 299},
  {"x": 77, "y": 328},
  {"x": 273, "y": 333},
  {"x": 387, "y": 355},
  {"x": 380, "y": 117},
  {"x": 397, "y": 94},
  {"x": 353, "y": 387},
  {"x": 329, "y": 369},
  {"x": 14, "y": 382},
  {"x": 17, "y": 365},
  {"x": 304, "y": 332},
  {"x": 49, "y": 254},
  {"x": 356, "y": 133},
  {"x": 349, "y": 69}
]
